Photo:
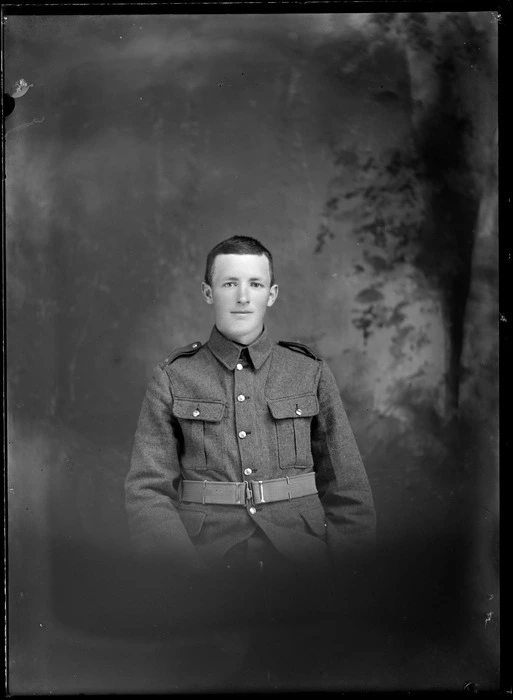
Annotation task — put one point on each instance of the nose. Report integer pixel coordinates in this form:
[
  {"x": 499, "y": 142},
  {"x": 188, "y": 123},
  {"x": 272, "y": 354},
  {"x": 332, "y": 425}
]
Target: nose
[{"x": 243, "y": 294}]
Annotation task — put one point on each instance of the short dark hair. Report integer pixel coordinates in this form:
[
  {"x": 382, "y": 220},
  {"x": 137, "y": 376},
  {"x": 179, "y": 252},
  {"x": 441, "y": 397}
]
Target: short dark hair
[{"x": 238, "y": 245}]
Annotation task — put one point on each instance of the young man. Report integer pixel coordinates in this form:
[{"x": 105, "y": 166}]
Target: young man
[{"x": 243, "y": 453}]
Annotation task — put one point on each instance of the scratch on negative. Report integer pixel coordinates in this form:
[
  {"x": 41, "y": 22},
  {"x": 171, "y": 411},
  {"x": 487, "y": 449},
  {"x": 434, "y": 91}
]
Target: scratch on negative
[
  {"x": 81, "y": 339},
  {"x": 37, "y": 120},
  {"x": 488, "y": 618},
  {"x": 306, "y": 169}
]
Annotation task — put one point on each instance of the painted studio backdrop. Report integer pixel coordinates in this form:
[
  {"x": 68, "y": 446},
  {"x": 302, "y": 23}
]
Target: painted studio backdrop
[{"x": 361, "y": 149}]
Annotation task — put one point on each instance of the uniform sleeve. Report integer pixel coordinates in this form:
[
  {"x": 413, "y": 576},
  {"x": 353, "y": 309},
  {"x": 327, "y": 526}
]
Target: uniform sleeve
[
  {"x": 342, "y": 482},
  {"x": 151, "y": 486}
]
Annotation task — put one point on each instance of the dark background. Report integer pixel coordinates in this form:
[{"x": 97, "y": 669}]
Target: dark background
[{"x": 361, "y": 149}]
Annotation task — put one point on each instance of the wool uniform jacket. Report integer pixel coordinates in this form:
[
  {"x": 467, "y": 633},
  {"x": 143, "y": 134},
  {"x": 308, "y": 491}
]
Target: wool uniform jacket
[{"x": 220, "y": 412}]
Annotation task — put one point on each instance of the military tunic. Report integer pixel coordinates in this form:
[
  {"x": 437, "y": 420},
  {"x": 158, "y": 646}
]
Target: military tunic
[{"x": 222, "y": 412}]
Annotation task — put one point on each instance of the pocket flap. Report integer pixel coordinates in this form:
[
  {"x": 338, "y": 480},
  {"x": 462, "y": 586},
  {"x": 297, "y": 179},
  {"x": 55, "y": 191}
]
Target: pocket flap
[
  {"x": 195, "y": 409},
  {"x": 316, "y": 520},
  {"x": 294, "y": 406},
  {"x": 193, "y": 521}
]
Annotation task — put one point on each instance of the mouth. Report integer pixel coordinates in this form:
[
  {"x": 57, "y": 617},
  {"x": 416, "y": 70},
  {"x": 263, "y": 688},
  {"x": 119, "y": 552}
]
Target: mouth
[{"x": 242, "y": 313}]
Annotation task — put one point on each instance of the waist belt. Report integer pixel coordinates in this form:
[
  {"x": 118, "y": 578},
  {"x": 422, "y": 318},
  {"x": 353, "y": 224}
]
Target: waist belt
[{"x": 242, "y": 492}]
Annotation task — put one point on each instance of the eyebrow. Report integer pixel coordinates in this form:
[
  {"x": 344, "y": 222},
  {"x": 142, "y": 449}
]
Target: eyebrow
[{"x": 251, "y": 279}]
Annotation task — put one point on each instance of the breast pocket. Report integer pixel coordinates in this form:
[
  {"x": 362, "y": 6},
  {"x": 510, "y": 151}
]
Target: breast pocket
[
  {"x": 292, "y": 418},
  {"x": 202, "y": 428}
]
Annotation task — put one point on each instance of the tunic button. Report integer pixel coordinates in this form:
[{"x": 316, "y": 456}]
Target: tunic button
[
  {"x": 252, "y": 510},
  {"x": 195, "y": 413},
  {"x": 298, "y": 411},
  {"x": 248, "y": 471},
  {"x": 242, "y": 434},
  {"x": 195, "y": 345},
  {"x": 241, "y": 397},
  {"x": 239, "y": 366}
]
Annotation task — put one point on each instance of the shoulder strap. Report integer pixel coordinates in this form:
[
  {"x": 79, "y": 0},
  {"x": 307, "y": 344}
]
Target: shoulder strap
[
  {"x": 298, "y": 347},
  {"x": 188, "y": 350}
]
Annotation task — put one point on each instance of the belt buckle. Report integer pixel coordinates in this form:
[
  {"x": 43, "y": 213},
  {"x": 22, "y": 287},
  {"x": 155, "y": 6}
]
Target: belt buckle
[{"x": 261, "y": 498}]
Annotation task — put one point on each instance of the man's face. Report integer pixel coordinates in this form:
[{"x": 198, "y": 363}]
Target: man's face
[{"x": 240, "y": 293}]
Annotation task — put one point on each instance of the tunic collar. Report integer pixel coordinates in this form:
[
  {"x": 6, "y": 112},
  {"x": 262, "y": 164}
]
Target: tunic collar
[{"x": 229, "y": 352}]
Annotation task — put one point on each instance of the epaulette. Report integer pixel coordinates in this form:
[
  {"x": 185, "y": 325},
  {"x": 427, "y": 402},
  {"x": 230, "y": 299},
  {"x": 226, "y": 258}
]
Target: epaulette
[
  {"x": 298, "y": 347},
  {"x": 191, "y": 349}
]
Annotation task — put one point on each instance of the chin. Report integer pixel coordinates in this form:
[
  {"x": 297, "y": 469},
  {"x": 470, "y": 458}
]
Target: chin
[{"x": 241, "y": 330}]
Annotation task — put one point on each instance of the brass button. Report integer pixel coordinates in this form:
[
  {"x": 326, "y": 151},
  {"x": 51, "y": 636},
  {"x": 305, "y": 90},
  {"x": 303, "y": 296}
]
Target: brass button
[
  {"x": 195, "y": 345},
  {"x": 239, "y": 366},
  {"x": 242, "y": 434},
  {"x": 241, "y": 397},
  {"x": 298, "y": 411},
  {"x": 248, "y": 471},
  {"x": 195, "y": 413},
  {"x": 252, "y": 510}
]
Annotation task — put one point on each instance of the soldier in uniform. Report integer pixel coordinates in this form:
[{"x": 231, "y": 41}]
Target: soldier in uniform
[{"x": 244, "y": 457}]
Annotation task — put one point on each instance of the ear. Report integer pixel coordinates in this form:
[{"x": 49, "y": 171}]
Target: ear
[
  {"x": 273, "y": 295},
  {"x": 207, "y": 292}
]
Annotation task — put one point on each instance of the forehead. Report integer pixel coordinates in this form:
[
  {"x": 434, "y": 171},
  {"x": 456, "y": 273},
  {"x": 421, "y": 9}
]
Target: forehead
[{"x": 240, "y": 266}]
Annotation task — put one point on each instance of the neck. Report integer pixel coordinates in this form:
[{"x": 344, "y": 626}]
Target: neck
[{"x": 246, "y": 339}]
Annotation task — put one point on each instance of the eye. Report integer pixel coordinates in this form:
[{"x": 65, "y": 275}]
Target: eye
[
  {"x": 228, "y": 284},
  {"x": 257, "y": 284}
]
